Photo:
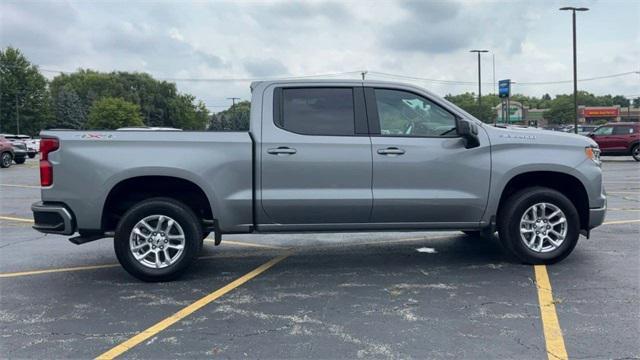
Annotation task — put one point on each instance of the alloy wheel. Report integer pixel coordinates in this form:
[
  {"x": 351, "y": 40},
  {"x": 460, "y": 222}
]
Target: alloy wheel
[
  {"x": 543, "y": 227},
  {"x": 157, "y": 241}
]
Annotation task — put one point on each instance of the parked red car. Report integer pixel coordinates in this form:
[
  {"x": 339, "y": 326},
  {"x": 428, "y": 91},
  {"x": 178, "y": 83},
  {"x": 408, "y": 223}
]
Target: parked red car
[
  {"x": 6, "y": 152},
  {"x": 618, "y": 139}
]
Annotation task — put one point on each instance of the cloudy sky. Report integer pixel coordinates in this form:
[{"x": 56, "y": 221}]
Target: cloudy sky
[{"x": 531, "y": 41}]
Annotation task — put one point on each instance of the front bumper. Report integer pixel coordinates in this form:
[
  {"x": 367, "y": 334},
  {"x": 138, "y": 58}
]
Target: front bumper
[
  {"x": 53, "y": 218},
  {"x": 596, "y": 216}
]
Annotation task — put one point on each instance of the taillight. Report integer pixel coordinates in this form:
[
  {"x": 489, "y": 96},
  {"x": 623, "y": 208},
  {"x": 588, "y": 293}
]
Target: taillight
[{"x": 47, "y": 145}]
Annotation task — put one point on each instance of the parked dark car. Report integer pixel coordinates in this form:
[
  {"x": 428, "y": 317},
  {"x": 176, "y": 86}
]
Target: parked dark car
[
  {"x": 618, "y": 139},
  {"x": 30, "y": 145},
  {"x": 6, "y": 152}
]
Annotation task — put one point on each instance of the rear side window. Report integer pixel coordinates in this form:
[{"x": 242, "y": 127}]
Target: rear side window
[
  {"x": 317, "y": 111},
  {"x": 623, "y": 130}
]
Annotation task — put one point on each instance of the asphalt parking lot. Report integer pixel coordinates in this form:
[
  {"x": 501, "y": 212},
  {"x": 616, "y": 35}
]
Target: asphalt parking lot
[{"x": 324, "y": 296}]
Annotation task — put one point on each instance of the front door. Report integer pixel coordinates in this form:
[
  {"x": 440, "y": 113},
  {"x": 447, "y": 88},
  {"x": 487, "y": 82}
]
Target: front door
[
  {"x": 422, "y": 172},
  {"x": 316, "y": 157}
]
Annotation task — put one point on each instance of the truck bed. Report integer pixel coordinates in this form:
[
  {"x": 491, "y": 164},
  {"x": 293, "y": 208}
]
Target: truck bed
[{"x": 88, "y": 164}]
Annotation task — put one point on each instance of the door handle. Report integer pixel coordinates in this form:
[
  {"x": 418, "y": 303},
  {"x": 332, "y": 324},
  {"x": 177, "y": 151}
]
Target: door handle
[
  {"x": 282, "y": 150},
  {"x": 391, "y": 151}
]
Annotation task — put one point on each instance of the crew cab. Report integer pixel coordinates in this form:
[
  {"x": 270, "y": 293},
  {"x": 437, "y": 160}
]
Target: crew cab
[{"x": 332, "y": 155}]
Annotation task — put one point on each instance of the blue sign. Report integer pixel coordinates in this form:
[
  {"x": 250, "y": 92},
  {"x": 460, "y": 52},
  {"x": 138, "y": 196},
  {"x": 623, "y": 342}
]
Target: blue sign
[{"x": 504, "y": 88}]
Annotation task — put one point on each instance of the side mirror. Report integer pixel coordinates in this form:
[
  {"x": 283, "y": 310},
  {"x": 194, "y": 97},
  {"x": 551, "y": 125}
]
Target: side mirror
[{"x": 469, "y": 132}]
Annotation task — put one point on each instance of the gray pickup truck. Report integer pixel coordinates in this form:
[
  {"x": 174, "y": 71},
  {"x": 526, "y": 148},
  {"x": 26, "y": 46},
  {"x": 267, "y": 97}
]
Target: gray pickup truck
[{"x": 321, "y": 156}]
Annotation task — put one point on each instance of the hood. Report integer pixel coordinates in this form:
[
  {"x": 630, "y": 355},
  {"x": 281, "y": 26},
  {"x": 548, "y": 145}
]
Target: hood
[{"x": 536, "y": 135}]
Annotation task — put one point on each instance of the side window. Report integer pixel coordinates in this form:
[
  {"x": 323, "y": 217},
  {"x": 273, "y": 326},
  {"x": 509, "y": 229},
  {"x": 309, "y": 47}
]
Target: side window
[
  {"x": 402, "y": 113},
  {"x": 605, "y": 130},
  {"x": 317, "y": 111},
  {"x": 622, "y": 130}
]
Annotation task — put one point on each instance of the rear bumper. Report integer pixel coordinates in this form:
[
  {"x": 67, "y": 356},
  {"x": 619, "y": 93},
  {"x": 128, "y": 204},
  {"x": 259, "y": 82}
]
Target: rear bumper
[{"x": 53, "y": 218}]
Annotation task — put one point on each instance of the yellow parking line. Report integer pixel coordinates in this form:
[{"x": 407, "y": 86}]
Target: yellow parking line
[
  {"x": 21, "y": 186},
  {"x": 10, "y": 218},
  {"x": 162, "y": 325},
  {"x": 550, "y": 324},
  {"x": 616, "y": 209},
  {"x": 49, "y": 271},
  {"x": 620, "y": 222}
]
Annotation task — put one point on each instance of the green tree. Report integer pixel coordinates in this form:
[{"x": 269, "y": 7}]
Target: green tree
[
  {"x": 160, "y": 102},
  {"x": 620, "y": 100},
  {"x": 113, "y": 113},
  {"x": 469, "y": 103},
  {"x": 24, "y": 99},
  {"x": 235, "y": 118},
  {"x": 69, "y": 110}
]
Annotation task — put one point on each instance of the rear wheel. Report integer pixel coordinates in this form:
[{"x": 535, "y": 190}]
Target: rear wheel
[
  {"x": 539, "y": 225},
  {"x": 635, "y": 152},
  {"x": 6, "y": 159},
  {"x": 157, "y": 239}
]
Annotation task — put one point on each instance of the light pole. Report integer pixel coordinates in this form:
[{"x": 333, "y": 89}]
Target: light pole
[
  {"x": 479, "y": 80},
  {"x": 575, "y": 65}
]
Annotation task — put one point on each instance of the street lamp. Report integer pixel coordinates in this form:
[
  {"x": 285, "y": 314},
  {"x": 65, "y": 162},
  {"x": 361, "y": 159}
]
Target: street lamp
[
  {"x": 479, "y": 80},
  {"x": 575, "y": 65}
]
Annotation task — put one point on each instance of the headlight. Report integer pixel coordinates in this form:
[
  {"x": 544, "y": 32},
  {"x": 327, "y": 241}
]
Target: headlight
[{"x": 593, "y": 153}]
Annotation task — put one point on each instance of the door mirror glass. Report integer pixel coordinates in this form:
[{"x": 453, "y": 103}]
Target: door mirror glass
[{"x": 468, "y": 132}]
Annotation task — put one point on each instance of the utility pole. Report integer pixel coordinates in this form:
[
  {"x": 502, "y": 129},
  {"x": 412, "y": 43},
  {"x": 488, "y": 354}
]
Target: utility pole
[
  {"x": 363, "y": 73},
  {"x": 479, "y": 79},
  {"x": 495, "y": 85},
  {"x": 575, "y": 65},
  {"x": 233, "y": 111},
  {"x": 17, "y": 116}
]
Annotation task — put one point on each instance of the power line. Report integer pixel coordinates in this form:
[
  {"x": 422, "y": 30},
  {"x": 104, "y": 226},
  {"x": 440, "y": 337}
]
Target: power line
[{"x": 359, "y": 72}]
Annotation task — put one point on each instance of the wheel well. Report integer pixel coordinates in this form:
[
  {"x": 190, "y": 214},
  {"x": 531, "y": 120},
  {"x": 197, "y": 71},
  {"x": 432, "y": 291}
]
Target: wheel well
[
  {"x": 131, "y": 191},
  {"x": 568, "y": 185}
]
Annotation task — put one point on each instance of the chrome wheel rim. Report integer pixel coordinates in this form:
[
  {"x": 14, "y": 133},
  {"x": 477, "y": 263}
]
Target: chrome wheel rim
[
  {"x": 6, "y": 160},
  {"x": 157, "y": 241},
  {"x": 636, "y": 152},
  {"x": 543, "y": 227}
]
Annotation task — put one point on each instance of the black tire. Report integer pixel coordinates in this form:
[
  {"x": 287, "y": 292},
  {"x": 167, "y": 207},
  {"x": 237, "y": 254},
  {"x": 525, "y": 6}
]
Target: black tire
[
  {"x": 511, "y": 213},
  {"x": 635, "y": 152},
  {"x": 5, "y": 159},
  {"x": 20, "y": 161},
  {"x": 176, "y": 210},
  {"x": 31, "y": 156}
]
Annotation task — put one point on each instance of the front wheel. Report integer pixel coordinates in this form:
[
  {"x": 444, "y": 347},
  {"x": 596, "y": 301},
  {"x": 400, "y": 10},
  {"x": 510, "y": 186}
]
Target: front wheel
[
  {"x": 635, "y": 152},
  {"x": 157, "y": 239},
  {"x": 6, "y": 159},
  {"x": 539, "y": 225}
]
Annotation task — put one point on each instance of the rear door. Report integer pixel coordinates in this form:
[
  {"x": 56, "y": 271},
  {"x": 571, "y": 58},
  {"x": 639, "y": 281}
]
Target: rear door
[
  {"x": 316, "y": 157},
  {"x": 422, "y": 172},
  {"x": 621, "y": 137}
]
